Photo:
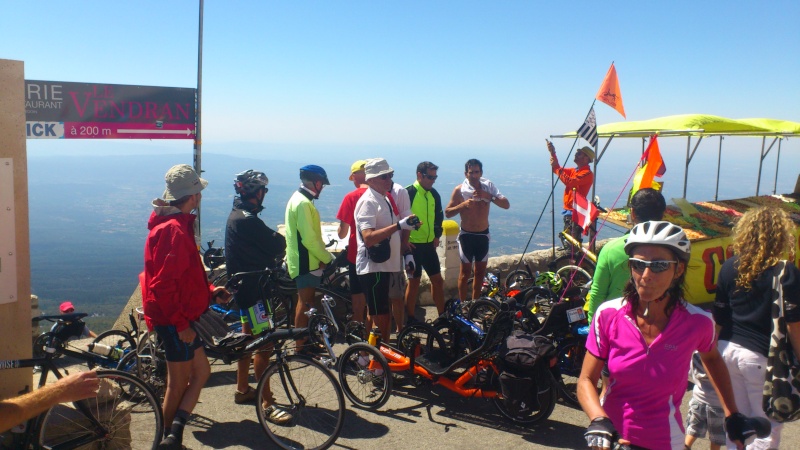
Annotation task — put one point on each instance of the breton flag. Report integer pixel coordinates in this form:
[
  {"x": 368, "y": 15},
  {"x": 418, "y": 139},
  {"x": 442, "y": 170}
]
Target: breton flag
[
  {"x": 653, "y": 167},
  {"x": 588, "y": 130},
  {"x": 583, "y": 212},
  {"x": 609, "y": 92}
]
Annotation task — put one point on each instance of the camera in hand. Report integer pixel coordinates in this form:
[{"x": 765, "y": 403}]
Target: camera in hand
[{"x": 414, "y": 221}]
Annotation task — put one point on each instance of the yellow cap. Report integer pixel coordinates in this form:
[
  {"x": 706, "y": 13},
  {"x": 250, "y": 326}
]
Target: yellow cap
[{"x": 358, "y": 165}]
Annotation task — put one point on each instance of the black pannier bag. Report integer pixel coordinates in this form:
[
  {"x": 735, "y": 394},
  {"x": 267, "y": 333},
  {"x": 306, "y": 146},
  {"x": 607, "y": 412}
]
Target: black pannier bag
[{"x": 524, "y": 360}]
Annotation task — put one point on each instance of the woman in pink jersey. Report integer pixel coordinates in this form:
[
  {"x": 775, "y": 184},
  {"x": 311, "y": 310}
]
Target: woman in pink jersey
[{"x": 648, "y": 337}]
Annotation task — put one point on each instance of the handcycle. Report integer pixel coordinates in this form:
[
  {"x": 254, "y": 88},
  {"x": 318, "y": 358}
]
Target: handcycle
[
  {"x": 365, "y": 371},
  {"x": 125, "y": 414}
]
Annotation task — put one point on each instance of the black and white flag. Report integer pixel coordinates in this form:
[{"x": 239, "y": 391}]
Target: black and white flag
[{"x": 588, "y": 130}]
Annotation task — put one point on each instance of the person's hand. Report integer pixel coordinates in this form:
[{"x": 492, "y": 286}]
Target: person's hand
[
  {"x": 410, "y": 265},
  {"x": 408, "y": 247},
  {"x": 551, "y": 148},
  {"x": 480, "y": 194},
  {"x": 188, "y": 335},
  {"x": 221, "y": 295},
  {"x": 601, "y": 434},
  {"x": 435, "y": 242},
  {"x": 78, "y": 386},
  {"x": 409, "y": 223},
  {"x": 742, "y": 429}
]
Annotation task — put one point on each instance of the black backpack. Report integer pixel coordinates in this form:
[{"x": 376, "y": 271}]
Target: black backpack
[
  {"x": 522, "y": 352},
  {"x": 524, "y": 359}
]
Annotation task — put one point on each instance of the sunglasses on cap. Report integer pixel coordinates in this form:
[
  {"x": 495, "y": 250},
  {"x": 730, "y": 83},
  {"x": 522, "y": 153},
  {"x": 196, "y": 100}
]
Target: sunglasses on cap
[
  {"x": 655, "y": 266},
  {"x": 386, "y": 176}
]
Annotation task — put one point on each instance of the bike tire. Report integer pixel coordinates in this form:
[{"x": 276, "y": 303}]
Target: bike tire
[
  {"x": 307, "y": 390},
  {"x": 359, "y": 374},
  {"x": 578, "y": 276},
  {"x": 221, "y": 279},
  {"x": 539, "y": 301},
  {"x": 429, "y": 339},
  {"x": 120, "y": 340},
  {"x": 148, "y": 363},
  {"x": 518, "y": 279},
  {"x": 570, "y": 354},
  {"x": 482, "y": 312},
  {"x": 571, "y": 259},
  {"x": 547, "y": 397},
  {"x": 127, "y": 409}
]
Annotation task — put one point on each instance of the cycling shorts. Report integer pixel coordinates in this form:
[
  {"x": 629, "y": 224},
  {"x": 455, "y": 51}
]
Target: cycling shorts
[
  {"x": 258, "y": 318},
  {"x": 473, "y": 246},
  {"x": 425, "y": 257},
  {"x": 175, "y": 350},
  {"x": 376, "y": 290},
  {"x": 355, "y": 284}
]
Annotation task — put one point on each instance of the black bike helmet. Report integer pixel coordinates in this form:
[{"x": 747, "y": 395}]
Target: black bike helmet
[
  {"x": 314, "y": 173},
  {"x": 249, "y": 182}
]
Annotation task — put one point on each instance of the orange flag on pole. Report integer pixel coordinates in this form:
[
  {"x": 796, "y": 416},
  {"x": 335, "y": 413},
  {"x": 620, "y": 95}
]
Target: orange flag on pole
[{"x": 609, "y": 92}]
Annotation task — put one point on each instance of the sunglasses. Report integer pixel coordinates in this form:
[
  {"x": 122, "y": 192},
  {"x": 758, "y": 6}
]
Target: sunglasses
[
  {"x": 386, "y": 176},
  {"x": 471, "y": 172},
  {"x": 655, "y": 266},
  {"x": 430, "y": 177}
]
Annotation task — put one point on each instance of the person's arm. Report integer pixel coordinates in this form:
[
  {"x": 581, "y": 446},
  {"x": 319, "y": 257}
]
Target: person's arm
[
  {"x": 78, "y": 386},
  {"x": 457, "y": 203},
  {"x": 718, "y": 375},
  {"x": 794, "y": 337},
  {"x": 502, "y": 202},
  {"x": 309, "y": 227},
  {"x": 587, "y": 387},
  {"x": 343, "y": 229}
]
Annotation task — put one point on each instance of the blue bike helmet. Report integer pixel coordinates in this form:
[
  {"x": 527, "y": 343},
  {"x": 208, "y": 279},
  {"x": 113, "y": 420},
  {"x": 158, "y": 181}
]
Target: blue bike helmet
[{"x": 312, "y": 172}]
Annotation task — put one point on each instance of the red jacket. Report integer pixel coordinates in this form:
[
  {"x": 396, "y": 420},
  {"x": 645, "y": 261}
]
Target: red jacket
[
  {"x": 579, "y": 179},
  {"x": 175, "y": 290}
]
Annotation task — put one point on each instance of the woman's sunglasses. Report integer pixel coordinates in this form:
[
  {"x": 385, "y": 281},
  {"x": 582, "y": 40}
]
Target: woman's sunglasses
[{"x": 655, "y": 266}]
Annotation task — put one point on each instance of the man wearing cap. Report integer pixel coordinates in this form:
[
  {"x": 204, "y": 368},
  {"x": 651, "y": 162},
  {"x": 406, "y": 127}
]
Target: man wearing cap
[
  {"x": 471, "y": 199},
  {"x": 68, "y": 308},
  {"x": 347, "y": 224},
  {"x": 378, "y": 255},
  {"x": 175, "y": 292},
  {"x": 306, "y": 255},
  {"x": 427, "y": 205},
  {"x": 577, "y": 180}
]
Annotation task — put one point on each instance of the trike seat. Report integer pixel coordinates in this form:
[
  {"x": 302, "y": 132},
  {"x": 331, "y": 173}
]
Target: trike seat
[
  {"x": 214, "y": 332},
  {"x": 439, "y": 362}
]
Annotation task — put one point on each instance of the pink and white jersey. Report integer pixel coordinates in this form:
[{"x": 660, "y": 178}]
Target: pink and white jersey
[{"x": 647, "y": 383}]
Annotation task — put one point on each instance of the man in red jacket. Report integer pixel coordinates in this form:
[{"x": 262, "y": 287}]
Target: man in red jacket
[{"x": 175, "y": 292}]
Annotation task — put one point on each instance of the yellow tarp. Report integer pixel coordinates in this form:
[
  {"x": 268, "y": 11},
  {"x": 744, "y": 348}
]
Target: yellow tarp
[{"x": 691, "y": 124}]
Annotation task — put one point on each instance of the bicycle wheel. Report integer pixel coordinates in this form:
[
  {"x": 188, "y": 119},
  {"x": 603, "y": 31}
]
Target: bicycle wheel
[
  {"x": 126, "y": 409},
  {"x": 573, "y": 259},
  {"x": 148, "y": 363},
  {"x": 120, "y": 341},
  {"x": 365, "y": 376},
  {"x": 482, "y": 312},
  {"x": 547, "y": 395},
  {"x": 579, "y": 276},
  {"x": 221, "y": 279},
  {"x": 570, "y": 361},
  {"x": 518, "y": 279},
  {"x": 308, "y": 392},
  {"x": 429, "y": 339}
]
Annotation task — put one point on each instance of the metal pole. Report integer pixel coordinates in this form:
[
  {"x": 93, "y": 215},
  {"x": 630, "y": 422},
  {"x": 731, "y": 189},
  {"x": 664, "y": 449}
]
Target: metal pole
[
  {"x": 686, "y": 172},
  {"x": 760, "y": 163},
  {"x": 719, "y": 163},
  {"x": 777, "y": 164},
  {"x": 198, "y": 158}
]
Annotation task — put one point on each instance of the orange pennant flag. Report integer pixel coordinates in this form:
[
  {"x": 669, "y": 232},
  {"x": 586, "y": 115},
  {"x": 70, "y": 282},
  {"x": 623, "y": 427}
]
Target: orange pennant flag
[{"x": 609, "y": 92}]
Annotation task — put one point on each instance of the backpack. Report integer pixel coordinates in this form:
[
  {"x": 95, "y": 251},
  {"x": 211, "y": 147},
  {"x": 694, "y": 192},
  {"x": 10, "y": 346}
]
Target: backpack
[{"x": 522, "y": 352}]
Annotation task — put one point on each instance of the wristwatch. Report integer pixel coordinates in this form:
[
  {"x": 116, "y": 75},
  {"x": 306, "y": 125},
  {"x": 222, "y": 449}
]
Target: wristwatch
[{"x": 493, "y": 198}]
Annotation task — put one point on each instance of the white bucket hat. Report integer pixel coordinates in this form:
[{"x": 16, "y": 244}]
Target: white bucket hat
[
  {"x": 377, "y": 167},
  {"x": 181, "y": 181}
]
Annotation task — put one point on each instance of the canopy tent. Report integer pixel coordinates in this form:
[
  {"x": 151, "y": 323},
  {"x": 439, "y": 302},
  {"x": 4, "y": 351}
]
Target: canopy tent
[{"x": 700, "y": 126}]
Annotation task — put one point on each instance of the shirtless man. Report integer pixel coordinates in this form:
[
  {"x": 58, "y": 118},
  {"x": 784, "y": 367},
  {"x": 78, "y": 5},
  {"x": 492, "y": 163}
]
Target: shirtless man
[{"x": 471, "y": 199}]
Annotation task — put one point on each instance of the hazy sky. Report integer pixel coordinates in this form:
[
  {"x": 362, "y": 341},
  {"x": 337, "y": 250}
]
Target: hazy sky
[{"x": 463, "y": 74}]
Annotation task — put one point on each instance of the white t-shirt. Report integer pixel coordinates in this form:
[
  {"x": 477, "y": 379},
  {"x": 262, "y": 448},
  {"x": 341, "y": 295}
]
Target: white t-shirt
[{"x": 373, "y": 211}]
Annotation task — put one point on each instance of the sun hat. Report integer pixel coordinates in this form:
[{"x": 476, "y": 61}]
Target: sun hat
[
  {"x": 358, "y": 165},
  {"x": 67, "y": 307},
  {"x": 181, "y": 181},
  {"x": 588, "y": 152},
  {"x": 376, "y": 167}
]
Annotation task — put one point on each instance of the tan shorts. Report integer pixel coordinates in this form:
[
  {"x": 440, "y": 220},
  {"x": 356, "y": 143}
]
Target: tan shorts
[{"x": 397, "y": 285}]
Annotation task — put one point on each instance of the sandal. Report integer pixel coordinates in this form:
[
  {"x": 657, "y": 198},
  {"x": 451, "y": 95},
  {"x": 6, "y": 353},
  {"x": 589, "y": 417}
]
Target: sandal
[
  {"x": 277, "y": 415},
  {"x": 244, "y": 397}
]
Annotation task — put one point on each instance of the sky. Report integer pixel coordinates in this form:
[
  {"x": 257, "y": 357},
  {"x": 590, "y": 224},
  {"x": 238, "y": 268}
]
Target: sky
[{"x": 468, "y": 77}]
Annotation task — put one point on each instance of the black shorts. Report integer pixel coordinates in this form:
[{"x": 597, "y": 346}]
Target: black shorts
[
  {"x": 473, "y": 246},
  {"x": 376, "y": 290},
  {"x": 175, "y": 350},
  {"x": 355, "y": 284},
  {"x": 425, "y": 257}
]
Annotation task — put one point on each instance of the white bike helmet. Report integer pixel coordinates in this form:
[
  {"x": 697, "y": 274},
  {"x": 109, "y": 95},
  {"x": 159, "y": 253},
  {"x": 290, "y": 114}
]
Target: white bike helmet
[{"x": 663, "y": 233}]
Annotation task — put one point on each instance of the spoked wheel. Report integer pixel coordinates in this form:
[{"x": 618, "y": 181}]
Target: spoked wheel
[
  {"x": 570, "y": 361},
  {"x": 573, "y": 259},
  {"x": 547, "y": 395},
  {"x": 127, "y": 411},
  {"x": 539, "y": 301},
  {"x": 578, "y": 276},
  {"x": 119, "y": 341},
  {"x": 149, "y": 363},
  {"x": 365, "y": 376},
  {"x": 482, "y": 312},
  {"x": 518, "y": 279},
  {"x": 429, "y": 339},
  {"x": 309, "y": 402}
]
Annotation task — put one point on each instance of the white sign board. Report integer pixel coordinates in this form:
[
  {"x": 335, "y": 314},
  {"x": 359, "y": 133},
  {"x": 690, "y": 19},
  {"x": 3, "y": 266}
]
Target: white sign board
[{"x": 8, "y": 235}]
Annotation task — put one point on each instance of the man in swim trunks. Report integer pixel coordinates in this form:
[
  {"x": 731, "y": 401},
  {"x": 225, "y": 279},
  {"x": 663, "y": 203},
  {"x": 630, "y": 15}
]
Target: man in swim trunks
[{"x": 471, "y": 199}]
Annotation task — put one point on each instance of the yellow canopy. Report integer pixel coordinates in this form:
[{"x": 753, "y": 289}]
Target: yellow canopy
[{"x": 697, "y": 124}]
